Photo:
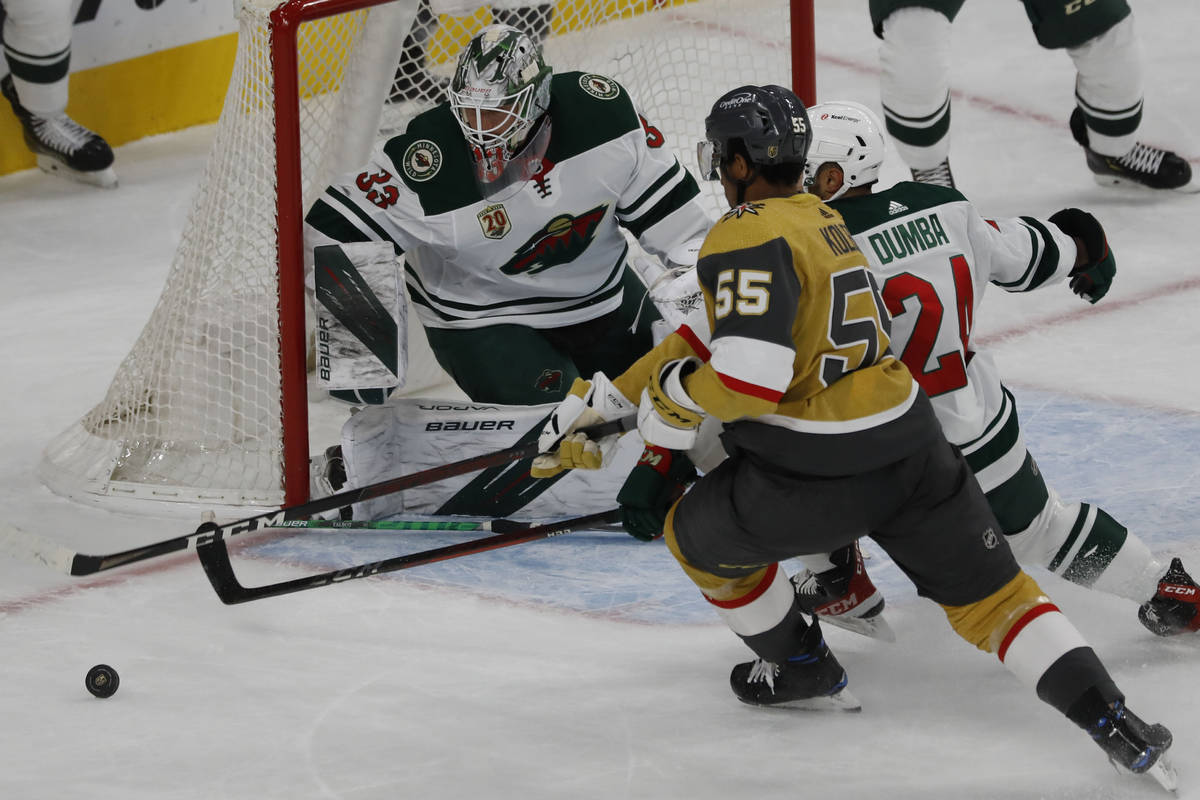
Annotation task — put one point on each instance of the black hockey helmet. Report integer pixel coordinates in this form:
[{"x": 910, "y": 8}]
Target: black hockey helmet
[{"x": 769, "y": 120}]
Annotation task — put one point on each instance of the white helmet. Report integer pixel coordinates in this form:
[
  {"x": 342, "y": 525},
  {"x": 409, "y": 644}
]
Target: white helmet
[
  {"x": 501, "y": 75},
  {"x": 850, "y": 135}
]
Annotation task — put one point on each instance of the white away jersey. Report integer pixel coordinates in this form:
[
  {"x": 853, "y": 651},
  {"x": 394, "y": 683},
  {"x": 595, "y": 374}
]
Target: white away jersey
[
  {"x": 934, "y": 255},
  {"x": 549, "y": 255}
]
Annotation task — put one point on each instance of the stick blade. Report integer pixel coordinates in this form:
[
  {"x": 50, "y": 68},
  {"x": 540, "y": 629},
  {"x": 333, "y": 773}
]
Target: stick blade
[
  {"x": 214, "y": 558},
  {"x": 843, "y": 700},
  {"x": 21, "y": 544},
  {"x": 875, "y": 627},
  {"x": 1164, "y": 772}
]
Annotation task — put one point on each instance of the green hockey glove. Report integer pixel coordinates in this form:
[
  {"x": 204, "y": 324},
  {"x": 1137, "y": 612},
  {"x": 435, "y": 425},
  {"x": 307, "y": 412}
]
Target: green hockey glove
[{"x": 657, "y": 481}]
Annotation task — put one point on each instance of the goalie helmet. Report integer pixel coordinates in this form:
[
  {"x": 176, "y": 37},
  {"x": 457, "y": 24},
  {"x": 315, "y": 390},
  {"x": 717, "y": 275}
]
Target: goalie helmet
[
  {"x": 499, "y": 95},
  {"x": 769, "y": 120},
  {"x": 849, "y": 135}
]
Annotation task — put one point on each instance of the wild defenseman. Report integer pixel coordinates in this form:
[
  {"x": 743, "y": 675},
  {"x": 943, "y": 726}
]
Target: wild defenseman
[
  {"x": 507, "y": 202},
  {"x": 934, "y": 256}
]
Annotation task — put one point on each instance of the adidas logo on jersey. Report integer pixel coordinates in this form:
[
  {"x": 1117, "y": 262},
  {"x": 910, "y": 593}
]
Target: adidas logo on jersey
[{"x": 895, "y": 208}]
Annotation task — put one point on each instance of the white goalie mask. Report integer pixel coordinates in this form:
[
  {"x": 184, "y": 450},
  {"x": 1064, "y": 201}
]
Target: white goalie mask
[
  {"x": 500, "y": 95},
  {"x": 851, "y": 136}
]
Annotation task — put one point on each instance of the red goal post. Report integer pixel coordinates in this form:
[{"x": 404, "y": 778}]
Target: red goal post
[{"x": 212, "y": 406}]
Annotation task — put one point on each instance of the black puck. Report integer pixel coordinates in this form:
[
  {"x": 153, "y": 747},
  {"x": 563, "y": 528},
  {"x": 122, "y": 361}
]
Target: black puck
[{"x": 102, "y": 680}]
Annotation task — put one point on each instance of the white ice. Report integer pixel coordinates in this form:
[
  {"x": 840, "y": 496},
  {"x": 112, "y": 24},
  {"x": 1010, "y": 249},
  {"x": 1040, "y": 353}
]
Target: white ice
[{"x": 590, "y": 668}]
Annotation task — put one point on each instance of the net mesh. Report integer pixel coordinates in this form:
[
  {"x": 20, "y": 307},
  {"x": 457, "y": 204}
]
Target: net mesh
[{"x": 194, "y": 412}]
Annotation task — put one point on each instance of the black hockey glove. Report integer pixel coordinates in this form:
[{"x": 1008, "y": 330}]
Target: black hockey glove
[
  {"x": 657, "y": 481},
  {"x": 1091, "y": 280}
]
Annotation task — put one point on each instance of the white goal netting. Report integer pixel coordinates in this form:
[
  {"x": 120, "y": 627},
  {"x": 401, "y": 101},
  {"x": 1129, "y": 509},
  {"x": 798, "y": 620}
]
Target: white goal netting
[{"x": 197, "y": 412}]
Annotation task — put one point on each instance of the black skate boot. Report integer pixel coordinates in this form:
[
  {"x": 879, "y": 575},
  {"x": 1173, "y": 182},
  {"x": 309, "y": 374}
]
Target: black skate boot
[
  {"x": 1143, "y": 165},
  {"x": 812, "y": 679},
  {"x": 1131, "y": 744},
  {"x": 939, "y": 175},
  {"x": 61, "y": 145},
  {"x": 1175, "y": 607},
  {"x": 844, "y": 596}
]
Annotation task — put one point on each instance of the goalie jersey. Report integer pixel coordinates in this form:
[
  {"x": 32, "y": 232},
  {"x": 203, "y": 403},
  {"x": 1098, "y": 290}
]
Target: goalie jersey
[
  {"x": 795, "y": 345},
  {"x": 934, "y": 256},
  {"x": 545, "y": 254}
]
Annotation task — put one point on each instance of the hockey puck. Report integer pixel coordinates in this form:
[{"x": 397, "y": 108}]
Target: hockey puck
[{"x": 102, "y": 680}]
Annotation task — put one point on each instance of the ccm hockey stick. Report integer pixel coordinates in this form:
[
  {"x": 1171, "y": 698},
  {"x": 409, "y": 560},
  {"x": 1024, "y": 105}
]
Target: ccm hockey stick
[
  {"x": 403, "y": 525},
  {"x": 214, "y": 557},
  {"x": 73, "y": 563}
]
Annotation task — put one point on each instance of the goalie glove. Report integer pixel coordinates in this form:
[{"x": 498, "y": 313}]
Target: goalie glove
[
  {"x": 588, "y": 403},
  {"x": 1092, "y": 279},
  {"x": 667, "y": 415},
  {"x": 660, "y": 477}
]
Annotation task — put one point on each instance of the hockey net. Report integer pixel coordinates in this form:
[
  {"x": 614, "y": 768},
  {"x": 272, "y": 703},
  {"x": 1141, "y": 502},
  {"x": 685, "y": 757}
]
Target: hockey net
[{"x": 211, "y": 406}]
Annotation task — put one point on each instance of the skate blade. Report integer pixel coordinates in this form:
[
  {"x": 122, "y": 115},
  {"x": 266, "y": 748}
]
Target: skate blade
[
  {"x": 104, "y": 178},
  {"x": 842, "y": 701},
  {"x": 1191, "y": 187},
  {"x": 875, "y": 627},
  {"x": 1164, "y": 772}
]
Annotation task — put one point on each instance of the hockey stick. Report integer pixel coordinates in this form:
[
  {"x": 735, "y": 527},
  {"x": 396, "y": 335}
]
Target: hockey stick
[
  {"x": 72, "y": 563},
  {"x": 429, "y": 524},
  {"x": 432, "y": 524},
  {"x": 214, "y": 557}
]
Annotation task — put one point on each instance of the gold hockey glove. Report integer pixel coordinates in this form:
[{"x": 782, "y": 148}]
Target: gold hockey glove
[{"x": 667, "y": 416}]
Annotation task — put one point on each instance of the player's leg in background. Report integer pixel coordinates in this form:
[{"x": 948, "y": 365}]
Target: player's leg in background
[
  {"x": 533, "y": 18},
  {"x": 413, "y": 80},
  {"x": 1102, "y": 40},
  {"x": 37, "y": 47},
  {"x": 1078, "y": 541},
  {"x": 914, "y": 86}
]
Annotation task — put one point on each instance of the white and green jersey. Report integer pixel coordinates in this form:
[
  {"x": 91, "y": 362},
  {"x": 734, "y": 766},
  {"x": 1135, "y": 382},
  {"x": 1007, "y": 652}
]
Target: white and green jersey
[
  {"x": 934, "y": 256},
  {"x": 546, "y": 255}
]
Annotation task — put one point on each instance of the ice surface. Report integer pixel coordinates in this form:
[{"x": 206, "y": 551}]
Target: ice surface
[{"x": 588, "y": 666}]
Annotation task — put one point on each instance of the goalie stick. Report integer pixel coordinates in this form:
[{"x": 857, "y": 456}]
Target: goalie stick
[
  {"x": 427, "y": 524},
  {"x": 15, "y": 541},
  {"x": 214, "y": 557}
]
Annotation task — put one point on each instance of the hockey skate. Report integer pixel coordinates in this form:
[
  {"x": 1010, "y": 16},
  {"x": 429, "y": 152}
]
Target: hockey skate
[
  {"x": 1144, "y": 165},
  {"x": 844, "y": 596},
  {"x": 1175, "y": 607},
  {"x": 812, "y": 680},
  {"x": 1134, "y": 746},
  {"x": 326, "y": 476},
  {"x": 939, "y": 175},
  {"x": 63, "y": 146}
]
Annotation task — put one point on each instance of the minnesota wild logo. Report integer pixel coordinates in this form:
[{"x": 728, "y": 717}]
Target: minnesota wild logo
[
  {"x": 598, "y": 86},
  {"x": 560, "y": 242},
  {"x": 422, "y": 160}
]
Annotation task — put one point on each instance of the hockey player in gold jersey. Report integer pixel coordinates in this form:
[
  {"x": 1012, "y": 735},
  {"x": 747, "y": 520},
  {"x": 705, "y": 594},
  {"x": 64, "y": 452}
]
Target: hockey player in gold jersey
[{"x": 828, "y": 438}]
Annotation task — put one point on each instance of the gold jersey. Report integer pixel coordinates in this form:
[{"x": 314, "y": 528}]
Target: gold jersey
[{"x": 796, "y": 346}]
